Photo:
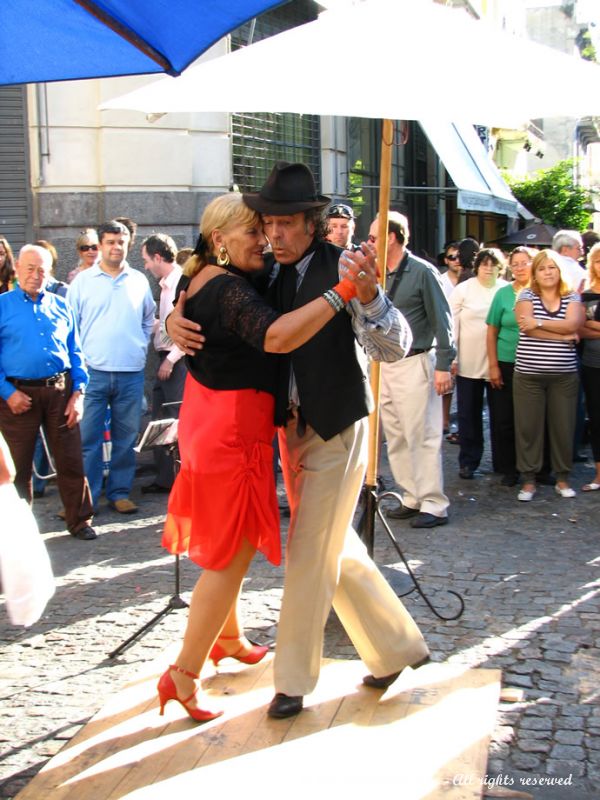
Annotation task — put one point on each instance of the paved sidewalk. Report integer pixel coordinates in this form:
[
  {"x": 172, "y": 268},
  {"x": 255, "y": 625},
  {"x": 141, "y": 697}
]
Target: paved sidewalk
[{"x": 528, "y": 574}]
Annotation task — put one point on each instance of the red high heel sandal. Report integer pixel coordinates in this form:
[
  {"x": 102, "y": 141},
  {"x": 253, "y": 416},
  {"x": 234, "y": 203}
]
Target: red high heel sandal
[
  {"x": 256, "y": 653},
  {"x": 167, "y": 691}
]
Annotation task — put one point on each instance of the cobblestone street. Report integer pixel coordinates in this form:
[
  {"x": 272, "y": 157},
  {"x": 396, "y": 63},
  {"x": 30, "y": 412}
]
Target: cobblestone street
[{"x": 528, "y": 573}]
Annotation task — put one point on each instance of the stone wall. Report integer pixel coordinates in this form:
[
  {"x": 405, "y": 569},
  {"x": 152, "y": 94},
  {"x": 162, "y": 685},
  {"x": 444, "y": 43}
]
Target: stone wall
[{"x": 60, "y": 217}]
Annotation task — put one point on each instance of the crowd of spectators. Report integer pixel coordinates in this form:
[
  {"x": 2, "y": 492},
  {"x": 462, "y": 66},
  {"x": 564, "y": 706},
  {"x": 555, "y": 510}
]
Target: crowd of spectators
[
  {"x": 526, "y": 330},
  {"x": 109, "y": 308}
]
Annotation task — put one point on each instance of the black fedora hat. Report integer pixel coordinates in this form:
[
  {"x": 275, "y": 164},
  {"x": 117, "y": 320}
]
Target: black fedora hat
[{"x": 289, "y": 189}]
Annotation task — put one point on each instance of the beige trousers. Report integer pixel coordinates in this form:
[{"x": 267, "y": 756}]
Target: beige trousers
[
  {"x": 411, "y": 412},
  {"x": 326, "y": 563}
]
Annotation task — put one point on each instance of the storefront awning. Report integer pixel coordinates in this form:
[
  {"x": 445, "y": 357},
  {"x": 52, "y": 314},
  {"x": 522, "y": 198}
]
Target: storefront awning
[{"x": 478, "y": 181}]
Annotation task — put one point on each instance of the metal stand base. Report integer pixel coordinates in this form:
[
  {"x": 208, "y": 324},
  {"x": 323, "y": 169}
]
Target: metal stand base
[
  {"x": 175, "y": 603},
  {"x": 366, "y": 529}
]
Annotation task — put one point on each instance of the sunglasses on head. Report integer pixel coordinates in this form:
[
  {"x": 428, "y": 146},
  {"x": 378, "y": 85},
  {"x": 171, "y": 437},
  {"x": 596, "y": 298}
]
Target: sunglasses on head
[
  {"x": 85, "y": 247},
  {"x": 341, "y": 210}
]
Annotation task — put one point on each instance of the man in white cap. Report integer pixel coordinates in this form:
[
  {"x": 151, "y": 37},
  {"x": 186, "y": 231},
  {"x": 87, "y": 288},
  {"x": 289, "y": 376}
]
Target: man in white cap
[{"x": 340, "y": 226}]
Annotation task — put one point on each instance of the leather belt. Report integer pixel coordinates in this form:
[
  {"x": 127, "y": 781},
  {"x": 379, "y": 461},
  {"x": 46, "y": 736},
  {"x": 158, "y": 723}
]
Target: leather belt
[
  {"x": 59, "y": 377},
  {"x": 416, "y": 351}
]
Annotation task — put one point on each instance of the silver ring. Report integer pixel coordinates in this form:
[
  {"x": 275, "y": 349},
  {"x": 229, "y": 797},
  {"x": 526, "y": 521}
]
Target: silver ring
[{"x": 362, "y": 274}]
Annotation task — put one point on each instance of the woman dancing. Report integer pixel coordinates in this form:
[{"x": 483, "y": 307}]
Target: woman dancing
[{"x": 223, "y": 505}]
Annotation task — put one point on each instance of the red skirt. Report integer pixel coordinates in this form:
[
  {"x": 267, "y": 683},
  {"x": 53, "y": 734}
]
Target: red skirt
[{"x": 225, "y": 490}]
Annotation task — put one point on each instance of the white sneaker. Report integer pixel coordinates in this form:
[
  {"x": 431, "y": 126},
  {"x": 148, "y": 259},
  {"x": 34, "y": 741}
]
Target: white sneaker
[
  {"x": 566, "y": 491},
  {"x": 524, "y": 496}
]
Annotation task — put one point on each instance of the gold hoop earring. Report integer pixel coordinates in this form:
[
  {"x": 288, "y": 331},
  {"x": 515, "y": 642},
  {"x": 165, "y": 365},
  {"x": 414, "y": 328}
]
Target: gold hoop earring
[{"x": 223, "y": 257}]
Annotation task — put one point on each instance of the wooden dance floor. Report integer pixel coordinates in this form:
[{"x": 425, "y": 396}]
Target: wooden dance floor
[{"x": 425, "y": 737}]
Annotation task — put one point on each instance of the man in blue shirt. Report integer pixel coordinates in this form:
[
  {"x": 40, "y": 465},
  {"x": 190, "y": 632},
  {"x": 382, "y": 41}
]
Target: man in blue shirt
[
  {"x": 42, "y": 382},
  {"x": 114, "y": 310}
]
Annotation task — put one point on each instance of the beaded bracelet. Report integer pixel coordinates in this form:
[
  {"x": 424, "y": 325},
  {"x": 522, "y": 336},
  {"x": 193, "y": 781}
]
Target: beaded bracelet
[{"x": 334, "y": 300}]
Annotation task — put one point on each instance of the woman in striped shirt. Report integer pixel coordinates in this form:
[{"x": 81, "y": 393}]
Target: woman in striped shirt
[{"x": 546, "y": 379}]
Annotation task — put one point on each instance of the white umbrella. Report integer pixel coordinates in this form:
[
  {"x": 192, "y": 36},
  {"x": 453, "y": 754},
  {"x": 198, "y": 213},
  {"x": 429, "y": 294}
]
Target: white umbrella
[{"x": 396, "y": 60}]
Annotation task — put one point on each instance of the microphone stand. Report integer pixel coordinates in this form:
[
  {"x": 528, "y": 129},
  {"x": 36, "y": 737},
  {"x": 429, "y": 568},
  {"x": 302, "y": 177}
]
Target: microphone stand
[
  {"x": 153, "y": 436},
  {"x": 366, "y": 529}
]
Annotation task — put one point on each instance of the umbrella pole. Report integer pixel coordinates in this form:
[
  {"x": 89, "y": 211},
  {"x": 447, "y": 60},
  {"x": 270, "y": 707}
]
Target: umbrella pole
[
  {"x": 370, "y": 488},
  {"x": 372, "y": 498}
]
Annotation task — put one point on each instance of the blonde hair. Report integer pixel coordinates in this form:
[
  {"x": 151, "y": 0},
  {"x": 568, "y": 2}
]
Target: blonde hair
[
  {"x": 85, "y": 236},
  {"x": 591, "y": 277},
  {"x": 547, "y": 255},
  {"x": 223, "y": 213}
]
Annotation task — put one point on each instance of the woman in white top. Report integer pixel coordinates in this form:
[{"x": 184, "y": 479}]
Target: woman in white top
[
  {"x": 546, "y": 380},
  {"x": 470, "y": 303}
]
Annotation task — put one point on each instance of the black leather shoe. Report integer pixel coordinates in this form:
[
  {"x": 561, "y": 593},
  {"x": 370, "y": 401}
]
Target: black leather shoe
[
  {"x": 382, "y": 683},
  {"x": 155, "y": 488},
  {"x": 401, "y": 512},
  {"x": 467, "y": 473},
  {"x": 86, "y": 533},
  {"x": 423, "y": 520},
  {"x": 283, "y": 705}
]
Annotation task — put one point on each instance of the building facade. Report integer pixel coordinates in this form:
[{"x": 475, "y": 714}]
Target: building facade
[{"x": 65, "y": 165}]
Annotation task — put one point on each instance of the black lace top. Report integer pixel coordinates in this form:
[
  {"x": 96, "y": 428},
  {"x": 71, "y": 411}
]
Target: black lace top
[{"x": 234, "y": 320}]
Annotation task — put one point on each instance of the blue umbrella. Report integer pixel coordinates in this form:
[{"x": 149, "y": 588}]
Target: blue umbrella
[{"x": 52, "y": 40}]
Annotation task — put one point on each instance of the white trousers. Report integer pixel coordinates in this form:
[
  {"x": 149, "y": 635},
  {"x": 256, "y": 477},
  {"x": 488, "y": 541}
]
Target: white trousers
[
  {"x": 411, "y": 413},
  {"x": 327, "y": 564}
]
